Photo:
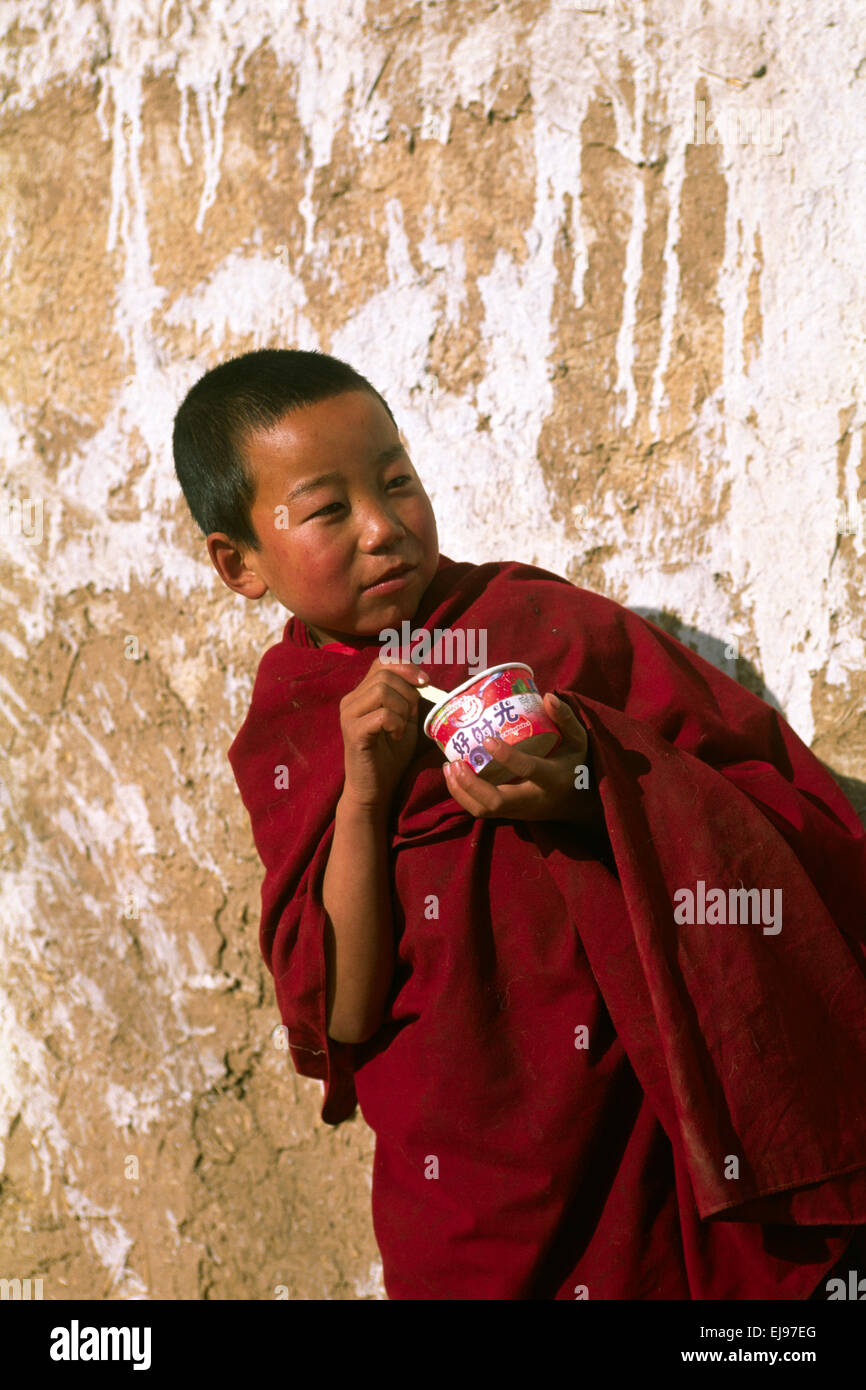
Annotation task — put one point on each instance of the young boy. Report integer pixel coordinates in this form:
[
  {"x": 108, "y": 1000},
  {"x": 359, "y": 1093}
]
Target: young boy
[{"x": 611, "y": 1040}]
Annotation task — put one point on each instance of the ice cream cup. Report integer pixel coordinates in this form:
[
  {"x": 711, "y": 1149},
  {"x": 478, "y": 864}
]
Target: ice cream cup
[{"x": 499, "y": 702}]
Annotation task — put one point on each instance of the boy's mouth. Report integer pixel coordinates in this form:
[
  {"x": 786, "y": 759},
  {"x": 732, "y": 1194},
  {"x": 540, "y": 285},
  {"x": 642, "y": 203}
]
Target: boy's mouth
[{"x": 391, "y": 578}]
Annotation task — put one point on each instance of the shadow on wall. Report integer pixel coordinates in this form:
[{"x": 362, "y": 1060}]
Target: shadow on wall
[{"x": 716, "y": 651}]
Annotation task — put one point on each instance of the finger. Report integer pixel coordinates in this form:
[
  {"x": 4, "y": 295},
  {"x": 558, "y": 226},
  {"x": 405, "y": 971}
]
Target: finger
[
  {"x": 385, "y": 716},
  {"x": 400, "y": 675},
  {"x": 372, "y": 689},
  {"x": 387, "y": 697},
  {"x": 471, "y": 791},
  {"x": 370, "y": 726},
  {"x": 512, "y": 801},
  {"x": 406, "y": 670},
  {"x": 565, "y": 718},
  {"x": 574, "y": 739},
  {"x": 389, "y": 678},
  {"x": 485, "y": 799},
  {"x": 519, "y": 763}
]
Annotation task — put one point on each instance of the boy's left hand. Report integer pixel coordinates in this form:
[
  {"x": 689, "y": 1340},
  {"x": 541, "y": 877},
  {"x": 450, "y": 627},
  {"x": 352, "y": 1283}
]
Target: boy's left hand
[{"x": 548, "y": 791}]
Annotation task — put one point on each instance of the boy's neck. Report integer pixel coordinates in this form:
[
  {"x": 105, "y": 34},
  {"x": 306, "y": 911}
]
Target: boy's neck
[{"x": 324, "y": 640}]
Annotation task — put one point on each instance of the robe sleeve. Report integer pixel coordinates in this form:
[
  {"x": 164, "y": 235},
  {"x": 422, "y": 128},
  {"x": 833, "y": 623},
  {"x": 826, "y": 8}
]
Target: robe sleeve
[
  {"x": 749, "y": 743},
  {"x": 293, "y": 944},
  {"x": 748, "y": 1037}
]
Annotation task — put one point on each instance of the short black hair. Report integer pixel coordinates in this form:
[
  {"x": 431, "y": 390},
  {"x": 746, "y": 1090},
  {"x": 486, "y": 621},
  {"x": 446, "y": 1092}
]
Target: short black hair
[{"x": 225, "y": 407}]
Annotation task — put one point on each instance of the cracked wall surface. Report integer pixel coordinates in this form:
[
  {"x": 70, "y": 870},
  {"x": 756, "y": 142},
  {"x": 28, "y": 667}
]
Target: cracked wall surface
[{"x": 606, "y": 264}]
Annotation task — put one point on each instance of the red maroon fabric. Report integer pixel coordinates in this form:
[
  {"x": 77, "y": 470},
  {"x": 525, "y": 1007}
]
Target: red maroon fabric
[{"x": 710, "y": 1141}]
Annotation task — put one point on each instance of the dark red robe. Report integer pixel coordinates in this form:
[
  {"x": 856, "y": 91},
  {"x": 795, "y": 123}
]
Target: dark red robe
[{"x": 710, "y": 1141}]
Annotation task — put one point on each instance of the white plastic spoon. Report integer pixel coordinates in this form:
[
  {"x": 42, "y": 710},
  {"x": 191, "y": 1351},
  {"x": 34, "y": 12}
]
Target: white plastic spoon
[{"x": 434, "y": 694}]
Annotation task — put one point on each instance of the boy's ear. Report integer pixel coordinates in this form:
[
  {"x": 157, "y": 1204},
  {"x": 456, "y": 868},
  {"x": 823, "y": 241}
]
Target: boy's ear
[{"x": 232, "y": 568}]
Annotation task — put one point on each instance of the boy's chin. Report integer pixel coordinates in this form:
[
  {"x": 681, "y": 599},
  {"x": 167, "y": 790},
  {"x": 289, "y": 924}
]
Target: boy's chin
[{"x": 388, "y": 616}]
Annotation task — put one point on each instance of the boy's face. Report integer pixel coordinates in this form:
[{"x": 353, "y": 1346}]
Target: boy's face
[{"x": 323, "y": 545}]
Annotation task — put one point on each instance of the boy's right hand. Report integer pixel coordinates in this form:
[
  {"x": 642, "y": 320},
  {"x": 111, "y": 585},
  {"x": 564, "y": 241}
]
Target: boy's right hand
[{"x": 379, "y": 723}]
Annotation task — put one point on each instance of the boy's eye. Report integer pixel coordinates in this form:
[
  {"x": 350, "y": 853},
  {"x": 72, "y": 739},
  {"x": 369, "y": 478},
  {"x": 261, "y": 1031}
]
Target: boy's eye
[{"x": 323, "y": 511}]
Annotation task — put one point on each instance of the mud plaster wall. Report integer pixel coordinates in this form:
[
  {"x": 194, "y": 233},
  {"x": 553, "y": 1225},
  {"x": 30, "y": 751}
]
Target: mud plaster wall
[{"x": 619, "y": 347}]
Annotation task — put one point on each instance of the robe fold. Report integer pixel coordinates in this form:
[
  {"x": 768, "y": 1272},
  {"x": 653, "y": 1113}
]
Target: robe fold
[{"x": 606, "y": 1069}]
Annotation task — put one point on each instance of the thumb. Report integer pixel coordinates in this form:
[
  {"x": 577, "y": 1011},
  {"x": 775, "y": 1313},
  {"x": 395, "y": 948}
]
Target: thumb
[
  {"x": 565, "y": 718},
  {"x": 560, "y": 707}
]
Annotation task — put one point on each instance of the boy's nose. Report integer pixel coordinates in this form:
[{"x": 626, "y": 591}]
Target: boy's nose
[{"x": 378, "y": 525}]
